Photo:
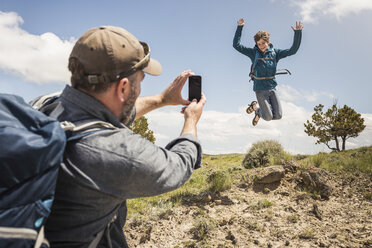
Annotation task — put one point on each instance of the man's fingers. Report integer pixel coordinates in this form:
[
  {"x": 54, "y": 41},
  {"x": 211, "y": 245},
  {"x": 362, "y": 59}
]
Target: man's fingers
[
  {"x": 181, "y": 79},
  {"x": 203, "y": 99},
  {"x": 183, "y": 110}
]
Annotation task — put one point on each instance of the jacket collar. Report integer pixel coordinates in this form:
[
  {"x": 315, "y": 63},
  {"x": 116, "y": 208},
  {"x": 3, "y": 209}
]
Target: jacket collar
[
  {"x": 87, "y": 106},
  {"x": 269, "y": 49}
]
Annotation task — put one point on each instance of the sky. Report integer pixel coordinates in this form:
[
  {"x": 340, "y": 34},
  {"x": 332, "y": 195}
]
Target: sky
[{"x": 331, "y": 66}]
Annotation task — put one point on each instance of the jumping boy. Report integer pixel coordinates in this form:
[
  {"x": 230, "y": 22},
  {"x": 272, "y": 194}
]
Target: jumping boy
[{"x": 264, "y": 59}]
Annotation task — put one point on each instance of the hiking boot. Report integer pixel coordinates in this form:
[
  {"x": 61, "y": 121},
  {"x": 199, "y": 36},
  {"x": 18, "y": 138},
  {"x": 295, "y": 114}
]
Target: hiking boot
[
  {"x": 252, "y": 107},
  {"x": 255, "y": 119}
]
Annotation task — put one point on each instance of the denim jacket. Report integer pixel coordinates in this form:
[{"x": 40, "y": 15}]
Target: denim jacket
[{"x": 103, "y": 169}]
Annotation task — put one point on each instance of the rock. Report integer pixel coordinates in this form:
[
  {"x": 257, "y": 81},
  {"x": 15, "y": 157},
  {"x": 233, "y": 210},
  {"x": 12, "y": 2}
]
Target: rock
[
  {"x": 316, "y": 212},
  {"x": 230, "y": 236},
  {"x": 147, "y": 236},
  {"x": 269, "y": 174},
  {"x": 333, "y": 236},
  {"x": 316, "y": 180},
  {"x": 205, "y": 197},
  {"x": 291, "y": 166}
]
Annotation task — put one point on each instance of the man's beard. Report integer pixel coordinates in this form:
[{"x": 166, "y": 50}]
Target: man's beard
[{"x": 126, "y": 113}]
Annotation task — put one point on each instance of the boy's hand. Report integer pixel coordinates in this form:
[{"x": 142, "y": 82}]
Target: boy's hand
[
  {"x": 299, "y": 26},
  {"x": 241, "y": 22}
]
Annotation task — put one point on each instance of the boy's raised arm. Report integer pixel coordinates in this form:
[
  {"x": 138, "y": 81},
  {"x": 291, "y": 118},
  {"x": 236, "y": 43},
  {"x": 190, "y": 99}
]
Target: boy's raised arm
[
  {"x": 296, "y": 42},
  {"x": 236, "y": 42}
]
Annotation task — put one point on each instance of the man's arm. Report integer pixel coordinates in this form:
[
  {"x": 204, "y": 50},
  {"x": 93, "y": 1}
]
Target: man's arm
[
  {"x": 192, "y": 115},
  {"x": 138, "y": 167},
  {"x": 170, "y": 96},
  {"x": 296, "y": 43}
]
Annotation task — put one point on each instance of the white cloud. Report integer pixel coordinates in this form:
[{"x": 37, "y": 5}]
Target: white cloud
[
  {"x": 287, "y": 93},
  {"x": 233, "y": 132},
  {"x": 312, "y": 10},
  {"x": 37, "y": 58}
]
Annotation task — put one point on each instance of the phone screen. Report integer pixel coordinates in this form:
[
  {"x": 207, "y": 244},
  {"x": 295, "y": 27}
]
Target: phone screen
[{"x": 195, "y": 87}]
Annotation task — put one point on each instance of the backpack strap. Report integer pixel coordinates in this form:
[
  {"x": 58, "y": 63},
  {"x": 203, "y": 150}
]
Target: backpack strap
[
  {"x": 40, "y": 102},
  {"x": 77, "y": 130},
  {"x": 251, "y": 74},
  {"x": 99, "y": 235},
  {"x": 256, "y": 58},
  {"x": 74, "y": 130},
  {"x": 24, "y": 233}
]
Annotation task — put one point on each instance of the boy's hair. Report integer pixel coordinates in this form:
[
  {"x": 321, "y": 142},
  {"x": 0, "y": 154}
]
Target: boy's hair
[{"x": 262, "y": 34}]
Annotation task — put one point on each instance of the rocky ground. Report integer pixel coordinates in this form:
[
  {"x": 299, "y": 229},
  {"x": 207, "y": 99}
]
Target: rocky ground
[{"x": 280, "y": 206}]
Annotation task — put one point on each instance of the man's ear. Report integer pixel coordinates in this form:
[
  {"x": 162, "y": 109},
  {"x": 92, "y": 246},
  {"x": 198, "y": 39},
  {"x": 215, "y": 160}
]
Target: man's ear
[{"x": 123, "y": 89}]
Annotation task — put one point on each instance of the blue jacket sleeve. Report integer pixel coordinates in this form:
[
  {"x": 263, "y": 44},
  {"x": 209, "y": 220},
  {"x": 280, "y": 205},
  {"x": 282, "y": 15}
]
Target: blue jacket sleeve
[
  {"x": 239, "y": 47},
  {"x": 294, "y": 48}
]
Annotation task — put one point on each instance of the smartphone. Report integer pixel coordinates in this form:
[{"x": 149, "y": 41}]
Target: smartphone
[{"x": 195, "y": 83}]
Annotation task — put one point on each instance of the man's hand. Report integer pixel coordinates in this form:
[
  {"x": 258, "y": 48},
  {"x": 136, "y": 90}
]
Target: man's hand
[
  {"x": 172, "y": 94},
  {"x": 299, "y": 26},
  {"x": 241, "y": 22},
  {"x": 192, "y": 115}
]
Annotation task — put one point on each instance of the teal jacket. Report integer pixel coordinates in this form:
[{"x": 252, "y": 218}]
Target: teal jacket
[{"x": 267, "y": 67}]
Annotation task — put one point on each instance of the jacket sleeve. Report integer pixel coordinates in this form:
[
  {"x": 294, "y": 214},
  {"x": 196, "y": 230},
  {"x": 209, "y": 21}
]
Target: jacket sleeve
[
  {"x": 294, "y": 48},
  {"x": 131, "y": 166},
  {"x": 239, "y": 47}
]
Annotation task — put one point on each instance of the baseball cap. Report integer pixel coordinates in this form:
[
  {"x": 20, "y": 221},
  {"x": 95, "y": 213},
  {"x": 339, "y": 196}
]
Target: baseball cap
[{"x": 110, "y": 53}]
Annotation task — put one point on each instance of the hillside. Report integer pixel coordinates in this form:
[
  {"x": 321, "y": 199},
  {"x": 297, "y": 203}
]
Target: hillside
[{"x": 323, "y": 200}]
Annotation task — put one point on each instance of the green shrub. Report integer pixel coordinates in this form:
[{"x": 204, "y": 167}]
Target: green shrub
[
  {"x": 202, "y": 228},
  {"x": 318, "y": 159},
  {"x": 219, "y": 181},
  {"x": 264, "y": 153},
  {"x": 261, "y": 204}
]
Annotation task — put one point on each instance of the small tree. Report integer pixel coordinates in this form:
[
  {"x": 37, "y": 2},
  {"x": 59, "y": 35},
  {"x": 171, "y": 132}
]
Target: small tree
[
  {"x": 140, "y": 126},
  {"x": 335, "y": 123}
]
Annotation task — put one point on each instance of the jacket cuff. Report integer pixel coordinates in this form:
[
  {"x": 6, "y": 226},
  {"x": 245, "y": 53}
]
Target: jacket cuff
[{"x": 191, "y": 138}]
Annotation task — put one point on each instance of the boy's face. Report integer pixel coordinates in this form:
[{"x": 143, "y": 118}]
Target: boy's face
[{"x": 263, "y": 45}]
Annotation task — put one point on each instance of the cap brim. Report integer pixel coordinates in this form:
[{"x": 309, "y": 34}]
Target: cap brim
[{"x": 153, "y": 68}]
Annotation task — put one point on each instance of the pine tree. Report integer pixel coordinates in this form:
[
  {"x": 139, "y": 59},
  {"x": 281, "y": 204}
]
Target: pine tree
[
  {"x": 333, "y": 125},
  {"x": 140, "y": 126}
]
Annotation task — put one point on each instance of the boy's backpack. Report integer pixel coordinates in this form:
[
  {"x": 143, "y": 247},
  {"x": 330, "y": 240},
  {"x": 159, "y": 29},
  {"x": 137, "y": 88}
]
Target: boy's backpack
[
  {"x": 253, "y": 66},
  {"x": 31, "y": 150}
]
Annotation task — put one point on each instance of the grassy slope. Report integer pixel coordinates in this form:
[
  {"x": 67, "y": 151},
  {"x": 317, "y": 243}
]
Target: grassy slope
[{"x": 229, "y": 165}]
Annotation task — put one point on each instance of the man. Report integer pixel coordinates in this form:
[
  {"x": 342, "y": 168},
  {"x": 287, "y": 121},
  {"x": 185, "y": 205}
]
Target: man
[{"x": 103, "y": 169}]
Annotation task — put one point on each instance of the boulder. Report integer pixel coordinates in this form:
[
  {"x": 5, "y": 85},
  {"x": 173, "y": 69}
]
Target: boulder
[
  {"x": 316, "y": 180},
  {"x": 269, "y": 174}
]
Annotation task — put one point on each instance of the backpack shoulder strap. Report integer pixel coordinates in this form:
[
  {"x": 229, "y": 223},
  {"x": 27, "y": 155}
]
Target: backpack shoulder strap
[
  {"x": 251, "y": 74},
  {"x": 40, "y": 102},
  {"x": 77, "y": 130},
  {"x": 74, "y": 130}
]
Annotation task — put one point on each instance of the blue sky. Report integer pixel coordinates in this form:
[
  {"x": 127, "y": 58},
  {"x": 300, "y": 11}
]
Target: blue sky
[{"x": 332, "y": 63}]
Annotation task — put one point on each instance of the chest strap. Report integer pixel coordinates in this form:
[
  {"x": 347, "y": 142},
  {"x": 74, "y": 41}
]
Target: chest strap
[{"x": 261, "y": 78}]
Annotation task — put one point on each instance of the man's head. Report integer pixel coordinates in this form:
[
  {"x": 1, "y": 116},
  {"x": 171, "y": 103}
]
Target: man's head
[
  {"x": 262, "y": 39},
  {"x": 107, "y": 54},
  {"x": 109, "y": 60}
]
